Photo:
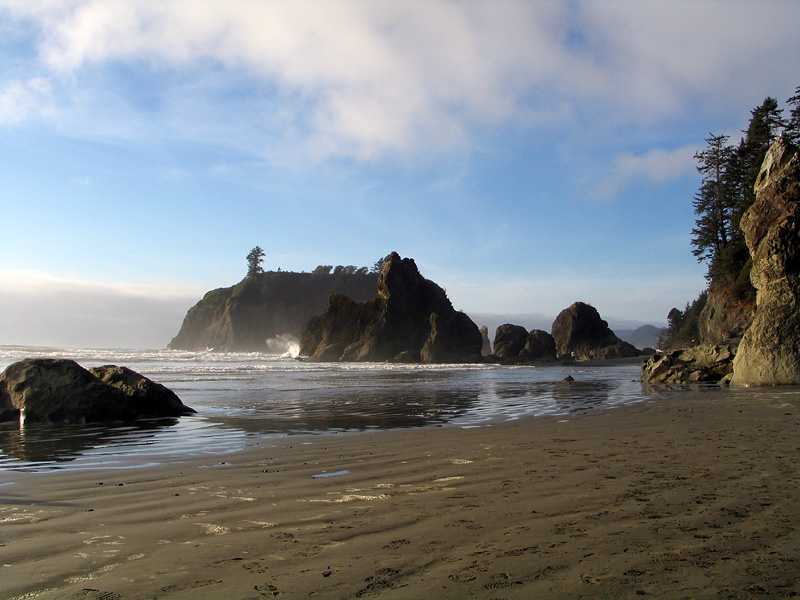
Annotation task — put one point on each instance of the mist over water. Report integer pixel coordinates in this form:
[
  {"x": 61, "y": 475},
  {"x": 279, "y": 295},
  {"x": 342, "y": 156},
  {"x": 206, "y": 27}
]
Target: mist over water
[{"x": 245, "y": 398}]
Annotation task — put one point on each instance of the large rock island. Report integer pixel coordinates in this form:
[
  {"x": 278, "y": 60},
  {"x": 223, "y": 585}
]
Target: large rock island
[
  {"x": 266, "y": 305},
  {"x": 410, "y": 319}
]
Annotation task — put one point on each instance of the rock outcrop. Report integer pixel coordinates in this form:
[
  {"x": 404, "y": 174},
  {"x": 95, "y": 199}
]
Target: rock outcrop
[
  {"x": 769, "y": 352},
  {"x": 705, "y": 363},
  {"x": 513, "y": 343},
  {"x": 540, "y": 345},
  {"x": 486, "y": 348},
  {"x": 265, "y": 307},
  {"x": 580, "y": 330},
  {"x": 50, "y": 390},
  {"x": 509, "y": 340},
  {"x": 725, "y": 316},
  {"x": 410, "y": 319}
]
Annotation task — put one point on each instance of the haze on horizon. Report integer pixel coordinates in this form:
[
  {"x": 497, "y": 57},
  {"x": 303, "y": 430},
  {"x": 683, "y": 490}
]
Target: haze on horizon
[{"x": 526, "y": 155}]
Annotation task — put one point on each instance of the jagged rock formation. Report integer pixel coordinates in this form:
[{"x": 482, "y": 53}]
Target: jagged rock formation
[
  {"x": 708, "y": 363},
  {"x": 486, "y": 348},
  {"x": 263, "y": 307},
  {"x": 580, "y": 329},
  {"x": 769, "y": 352},
  {"x": 410, "y": 319},
  {"x": 50, "y": 390},
  {"x": 513, "y": 343}
]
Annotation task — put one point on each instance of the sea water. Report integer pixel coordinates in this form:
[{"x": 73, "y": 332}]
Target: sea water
[{"x": 242, "y": 399}]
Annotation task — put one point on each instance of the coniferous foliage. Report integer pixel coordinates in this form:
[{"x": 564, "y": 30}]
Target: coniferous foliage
[
  {"x": 726, "y": 192},
  {"x": 254, "y": 260},
  {"x": 792, "y": 130}
]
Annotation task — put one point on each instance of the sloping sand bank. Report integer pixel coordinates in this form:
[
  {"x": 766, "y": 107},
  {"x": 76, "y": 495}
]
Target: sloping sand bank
[{"x": 688, "y": 498}]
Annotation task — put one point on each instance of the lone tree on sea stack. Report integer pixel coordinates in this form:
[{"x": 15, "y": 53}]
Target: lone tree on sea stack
[{"x": 254, "y": 260}]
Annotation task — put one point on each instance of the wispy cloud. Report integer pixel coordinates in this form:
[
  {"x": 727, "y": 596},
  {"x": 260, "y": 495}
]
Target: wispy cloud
[
  {"x": 21, "y": 100},
  {"x": 367, "y": 80},
  {"x": 654, "y": 166}
]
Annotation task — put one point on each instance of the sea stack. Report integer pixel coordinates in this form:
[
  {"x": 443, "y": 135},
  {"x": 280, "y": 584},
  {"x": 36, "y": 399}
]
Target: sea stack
[{"x": 409, "y": 320}]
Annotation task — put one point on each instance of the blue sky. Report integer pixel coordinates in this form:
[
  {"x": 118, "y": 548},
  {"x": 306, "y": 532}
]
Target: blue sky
[{"x": 525, "y": 154}]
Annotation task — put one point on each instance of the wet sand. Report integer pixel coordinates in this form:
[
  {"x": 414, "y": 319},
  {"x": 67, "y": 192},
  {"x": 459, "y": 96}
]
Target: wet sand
[{"x": 682, "y": 498}]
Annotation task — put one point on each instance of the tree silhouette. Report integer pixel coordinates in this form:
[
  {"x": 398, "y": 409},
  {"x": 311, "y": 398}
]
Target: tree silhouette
[{"x": 254, "y": 260}]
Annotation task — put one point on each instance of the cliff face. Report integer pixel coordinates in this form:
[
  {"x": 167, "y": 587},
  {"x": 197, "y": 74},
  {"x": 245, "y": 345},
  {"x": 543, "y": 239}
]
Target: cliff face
[
  {"x": 769, "y": 352},
  {"x": 725, "y": 316},
  {"x": 242, "y": 317},
  {"x": 410, "y": 319}
]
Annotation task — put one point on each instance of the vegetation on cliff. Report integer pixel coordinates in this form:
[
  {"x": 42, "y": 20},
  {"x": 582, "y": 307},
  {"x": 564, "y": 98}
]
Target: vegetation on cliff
[
  {"x": 266, "y": 305},
  {"x": 729, "y": 173}
]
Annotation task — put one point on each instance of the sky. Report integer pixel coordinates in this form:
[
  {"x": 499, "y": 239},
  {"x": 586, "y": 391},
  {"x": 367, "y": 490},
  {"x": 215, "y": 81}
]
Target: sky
[{"x": 526, "y": 154}]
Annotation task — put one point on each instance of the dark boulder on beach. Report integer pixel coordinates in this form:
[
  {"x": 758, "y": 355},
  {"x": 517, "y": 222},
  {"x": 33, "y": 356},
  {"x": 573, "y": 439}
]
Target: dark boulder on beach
[
  {"x": 579, "y": 329},
  {"x": 50, "y": 390},
  {"x": 410, "y": 319}
]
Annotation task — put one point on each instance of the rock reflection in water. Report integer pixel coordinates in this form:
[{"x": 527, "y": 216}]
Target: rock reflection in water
[
  {"x": 373, "y": 409},
  {"x": 61, "y": 443}
]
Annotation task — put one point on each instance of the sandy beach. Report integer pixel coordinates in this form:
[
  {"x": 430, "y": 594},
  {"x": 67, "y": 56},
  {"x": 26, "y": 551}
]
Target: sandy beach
[{"x": 695, "y": 497}]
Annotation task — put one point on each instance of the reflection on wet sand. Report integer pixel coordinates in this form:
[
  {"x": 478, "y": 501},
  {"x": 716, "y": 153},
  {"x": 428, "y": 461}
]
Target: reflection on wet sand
[{"x": 60, "y": 443}]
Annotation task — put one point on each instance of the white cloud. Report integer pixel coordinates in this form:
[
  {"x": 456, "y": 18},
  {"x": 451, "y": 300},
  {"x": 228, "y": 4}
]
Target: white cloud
[
  {"x": 654, "y": 166},
  {"x": 365, "y": 80},
  {"x": 37, "y": 308},
  {"x": 20, "y": 100}
]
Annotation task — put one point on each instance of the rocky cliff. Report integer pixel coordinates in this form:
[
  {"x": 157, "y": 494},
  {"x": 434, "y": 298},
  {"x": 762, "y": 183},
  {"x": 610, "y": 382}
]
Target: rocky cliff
[
  {"x": 410, "y": 319},
  {"x": 769, "y": 352},
  {"x": 725, "y": 316},
  {"x": 264, "y": 306}
]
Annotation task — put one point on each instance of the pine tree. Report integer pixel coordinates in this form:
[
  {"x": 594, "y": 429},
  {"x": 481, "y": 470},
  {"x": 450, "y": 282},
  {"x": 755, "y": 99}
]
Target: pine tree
[
  {"x": 792, "y": 131},
  {"x": 254, "y": 260},
  {"x": 765, "y": 125},
  {"x": 713, "y": 203}
]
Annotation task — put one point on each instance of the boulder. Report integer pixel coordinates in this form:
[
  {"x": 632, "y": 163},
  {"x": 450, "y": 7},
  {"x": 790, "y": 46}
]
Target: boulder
[
  {"x": 540, "y": 345},
  {"x": 509, "y": 340},
  {"x": 410, "y": 317},
  {"x": 580, "y": 329},
  {"x": 514, "y": 344},
  {"x": 50, "y": 390},
  {"x": 707, "y": 363},
  {"x": 769, "y": 352}
]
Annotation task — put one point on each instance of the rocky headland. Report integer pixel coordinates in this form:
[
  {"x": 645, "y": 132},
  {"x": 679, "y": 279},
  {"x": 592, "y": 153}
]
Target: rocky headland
[
  {"x": 266, "y": 306},
  {"x": 410, "y": 319}
]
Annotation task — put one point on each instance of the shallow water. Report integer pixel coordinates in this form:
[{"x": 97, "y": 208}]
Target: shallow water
[{"x": 245, "y": 398}]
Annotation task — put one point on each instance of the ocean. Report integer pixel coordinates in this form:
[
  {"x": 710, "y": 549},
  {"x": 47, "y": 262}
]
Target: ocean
[{"x": 243, "y": 399}]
